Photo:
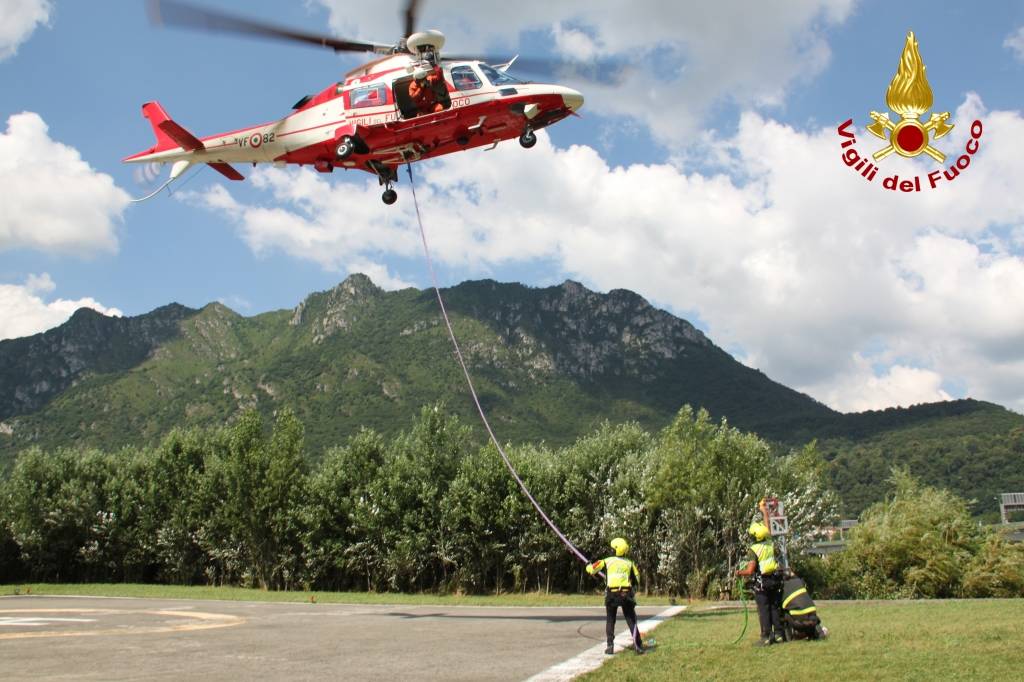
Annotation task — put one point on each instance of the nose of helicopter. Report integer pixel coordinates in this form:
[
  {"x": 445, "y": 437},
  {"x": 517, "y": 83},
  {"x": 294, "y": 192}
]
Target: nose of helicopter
[{"x": 572, "y": 99}]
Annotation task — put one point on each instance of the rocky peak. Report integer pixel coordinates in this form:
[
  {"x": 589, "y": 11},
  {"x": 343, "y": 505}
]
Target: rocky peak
[
  {"x": 618, "y": 332},
  {"x": 358, "y": 285},
  {"x": 35, "y": 369},
  {"x": 618, "y": 309},
  {"x": 336, "y": 310},
  {"x": 218, "y": 309},
  {"x": 586, "y": 333}
]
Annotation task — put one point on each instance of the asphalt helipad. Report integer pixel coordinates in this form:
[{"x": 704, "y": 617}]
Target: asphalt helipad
[{"x": 88, "y": 638}]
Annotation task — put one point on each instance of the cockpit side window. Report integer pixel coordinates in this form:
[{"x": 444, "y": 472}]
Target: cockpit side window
[
  {"x": 497, "y": 77},
  {"x": 465, "y": 78},
  {"x": 370, "y": 96}
]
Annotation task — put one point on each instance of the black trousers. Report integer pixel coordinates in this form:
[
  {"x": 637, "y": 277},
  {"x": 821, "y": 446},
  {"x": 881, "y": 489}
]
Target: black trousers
[
  {"x": 804, "y": 627},
  {"x": 612, "y": 602},
  {"x": 769, "y": 606}
]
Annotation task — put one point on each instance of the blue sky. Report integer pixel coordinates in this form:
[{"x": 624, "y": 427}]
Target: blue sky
[{"x": 710, "y": 181}]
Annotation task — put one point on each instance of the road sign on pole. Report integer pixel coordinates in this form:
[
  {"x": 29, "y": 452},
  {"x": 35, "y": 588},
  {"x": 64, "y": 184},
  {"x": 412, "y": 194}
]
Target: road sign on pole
[{"x": 778, "y": 524}]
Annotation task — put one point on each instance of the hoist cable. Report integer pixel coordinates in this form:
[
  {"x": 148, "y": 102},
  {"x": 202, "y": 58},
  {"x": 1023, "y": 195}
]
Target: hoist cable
[
  {"x": 472, "y": 389},
  {"x": 476, "y": 400}
]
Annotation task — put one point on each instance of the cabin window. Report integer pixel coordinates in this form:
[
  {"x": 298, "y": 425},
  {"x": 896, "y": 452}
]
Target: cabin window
[
  {"x": 370, "y": 96},
  {"x": 465, "y": 78},
  {"x": 498, "y": 77}
]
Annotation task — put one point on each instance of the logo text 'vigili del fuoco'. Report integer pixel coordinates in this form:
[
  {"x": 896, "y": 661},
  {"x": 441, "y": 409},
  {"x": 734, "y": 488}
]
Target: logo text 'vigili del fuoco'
[{"x": 909, "y": 96}]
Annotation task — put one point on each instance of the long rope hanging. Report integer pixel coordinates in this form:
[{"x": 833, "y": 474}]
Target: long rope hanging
[
  {"x": 472, "y": 389},
  {"x": 476, "y": 400}
]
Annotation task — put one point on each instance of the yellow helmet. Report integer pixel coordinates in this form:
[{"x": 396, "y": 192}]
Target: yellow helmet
[
  {"x": 620, "y": 546},
  {"x": 758, "y": 530}
]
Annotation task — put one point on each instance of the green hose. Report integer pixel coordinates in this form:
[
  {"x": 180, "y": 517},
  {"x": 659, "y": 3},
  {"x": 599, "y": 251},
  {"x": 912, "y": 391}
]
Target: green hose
[{"x": 743, "y": 601}]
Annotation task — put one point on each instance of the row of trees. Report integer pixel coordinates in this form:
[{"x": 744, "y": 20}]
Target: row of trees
[
  {"x": 425, "y": 510},
  {"x": 429, "y": 510}
]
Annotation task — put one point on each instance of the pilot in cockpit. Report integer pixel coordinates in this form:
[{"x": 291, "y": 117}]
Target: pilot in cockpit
[{"x": 464, "y": 79}]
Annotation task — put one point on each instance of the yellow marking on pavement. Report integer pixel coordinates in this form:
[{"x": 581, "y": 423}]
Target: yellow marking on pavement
[{"x": 207, "y": 621}]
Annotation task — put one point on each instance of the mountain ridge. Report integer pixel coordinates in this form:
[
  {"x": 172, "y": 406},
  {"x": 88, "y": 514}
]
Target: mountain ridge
[
  {"x": 62, "y": 347},
  {"x": 549, "y": 364},
  {"x": 559, "y": 339}
]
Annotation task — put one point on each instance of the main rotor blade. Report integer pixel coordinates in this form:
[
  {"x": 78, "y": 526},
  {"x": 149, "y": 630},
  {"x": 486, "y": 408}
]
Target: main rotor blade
[
  {"x": 526, "y": 64},
  {"x": 410, "y": 18},
  {"x": 607, "y": 71},
  {"x": 185, "y": 15}
]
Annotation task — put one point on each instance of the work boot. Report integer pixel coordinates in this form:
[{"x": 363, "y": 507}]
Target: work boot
[{"x": 609, "y": 649}]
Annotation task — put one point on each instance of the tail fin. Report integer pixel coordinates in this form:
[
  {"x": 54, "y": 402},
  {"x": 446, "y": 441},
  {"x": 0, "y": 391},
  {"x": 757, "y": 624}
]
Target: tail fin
[
  {"x": 169, "y": 135},
  {"x": 156, "y": 115}
]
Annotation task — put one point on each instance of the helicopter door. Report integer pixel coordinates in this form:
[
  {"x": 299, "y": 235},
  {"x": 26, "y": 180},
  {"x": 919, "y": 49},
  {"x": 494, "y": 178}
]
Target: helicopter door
[{"x": 412, "y": 104}]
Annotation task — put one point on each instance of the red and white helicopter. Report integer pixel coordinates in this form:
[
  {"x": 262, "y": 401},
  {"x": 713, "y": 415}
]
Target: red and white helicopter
[{"x": 409, "y": 103}]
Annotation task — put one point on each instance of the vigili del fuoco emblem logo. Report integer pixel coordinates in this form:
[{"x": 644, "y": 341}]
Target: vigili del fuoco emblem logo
[{"x": 909, "y": 96}]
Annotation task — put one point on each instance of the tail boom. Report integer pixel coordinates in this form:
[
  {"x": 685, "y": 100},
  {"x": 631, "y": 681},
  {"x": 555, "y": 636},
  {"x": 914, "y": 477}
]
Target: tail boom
[{"x": 175, "y": 143}]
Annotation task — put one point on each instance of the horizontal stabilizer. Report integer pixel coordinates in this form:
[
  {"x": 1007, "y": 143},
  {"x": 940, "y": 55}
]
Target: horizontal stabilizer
[
  {"x": 184, "y": 138},
  {"x": 227, "y": 171}
]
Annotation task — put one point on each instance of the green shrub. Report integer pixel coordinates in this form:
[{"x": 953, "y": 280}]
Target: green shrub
[{"x": 996, "y": 571}]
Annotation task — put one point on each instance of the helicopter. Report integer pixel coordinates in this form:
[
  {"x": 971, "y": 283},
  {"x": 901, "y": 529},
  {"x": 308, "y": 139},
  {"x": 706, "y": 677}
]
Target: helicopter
[{"x": 411, "y": 102}]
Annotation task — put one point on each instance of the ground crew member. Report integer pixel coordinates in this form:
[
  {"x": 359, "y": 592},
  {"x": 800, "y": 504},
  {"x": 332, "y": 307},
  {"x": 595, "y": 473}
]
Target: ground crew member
[
  {"x": 623, "y": 577},
  {"x": 799, "y": 611},
  {"x": 766, "y": 580}
]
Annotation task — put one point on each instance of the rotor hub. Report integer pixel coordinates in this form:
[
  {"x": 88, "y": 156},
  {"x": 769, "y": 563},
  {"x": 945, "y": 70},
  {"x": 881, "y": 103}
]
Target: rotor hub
[{"x": 423, "y": 42}]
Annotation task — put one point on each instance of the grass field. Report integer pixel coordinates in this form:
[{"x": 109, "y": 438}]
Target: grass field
[{"x": 905, "y": 640}]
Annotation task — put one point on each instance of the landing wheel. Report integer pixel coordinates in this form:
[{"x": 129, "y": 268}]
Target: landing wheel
[
  {"x": 389, "y": 196},
  {"x": 346, "y": 147},
  {"x": 528, "y": 139}
]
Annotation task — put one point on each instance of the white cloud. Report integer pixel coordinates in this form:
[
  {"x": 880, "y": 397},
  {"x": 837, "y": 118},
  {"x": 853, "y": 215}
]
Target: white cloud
[
  {"x": 52, "y": 199},
  {"x": 18, "y": 20},
  {"x": 1015, "y": 43},
  {"x": 862, "y": 388},
  {"x": 25, "y": 312},
  {"x": 574, "y": 42},
  {"x": 858, "y": 295},
  {"x": 691, "y": 56},
  {"x": 333, "y": 225}
]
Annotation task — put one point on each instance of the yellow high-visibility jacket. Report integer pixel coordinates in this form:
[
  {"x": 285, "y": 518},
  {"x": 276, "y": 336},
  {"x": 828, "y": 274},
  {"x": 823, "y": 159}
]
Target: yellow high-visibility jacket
[
  {"x": 765, "y": 553},
  {"x": 618, "y": 571}
]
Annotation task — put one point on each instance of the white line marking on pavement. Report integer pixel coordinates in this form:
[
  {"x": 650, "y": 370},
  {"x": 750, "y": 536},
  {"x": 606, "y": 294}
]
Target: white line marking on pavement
[
  {"x": 41, "y": 621},
  {"x": 592, "y": 658}
]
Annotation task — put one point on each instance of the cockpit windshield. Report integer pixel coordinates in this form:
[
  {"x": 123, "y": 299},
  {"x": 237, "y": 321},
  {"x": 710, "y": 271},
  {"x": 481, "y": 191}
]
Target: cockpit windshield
[{"x": 497, "y": 77}]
